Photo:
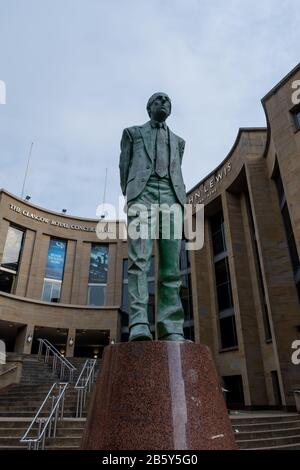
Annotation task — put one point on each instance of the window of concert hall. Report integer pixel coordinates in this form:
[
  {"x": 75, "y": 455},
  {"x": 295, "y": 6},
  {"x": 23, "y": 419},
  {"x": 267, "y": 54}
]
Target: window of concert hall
[
  {"x": 11, "y": 259},
  {"x": 288, "y": 229},
  {"x": 98, "y": 274},
  {"x": 54, "y": 270},
  {"x": 227, "y": 326},
  {"x": 296, "y": 116},
  {"x": 186, "y": 292}
]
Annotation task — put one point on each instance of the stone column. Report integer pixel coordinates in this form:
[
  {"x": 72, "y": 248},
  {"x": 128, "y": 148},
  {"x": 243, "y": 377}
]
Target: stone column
[
  {"x": 244, "y": 305},
  {"x": 66, "y": 290},
  {"x": 23, "y": 346},
  {"x": 70, "y": 348},
  {"x": 3, "y": 234},
  {"x": 25, "y": 263},
  {"x": 277, "y": 273},
  {"x": 38, "y": 266},
  {"x": 111, "y": 275}
]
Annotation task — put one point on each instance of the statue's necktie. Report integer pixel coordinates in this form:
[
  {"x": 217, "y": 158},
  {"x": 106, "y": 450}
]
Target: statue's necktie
[{"x": 162, "y": 156}]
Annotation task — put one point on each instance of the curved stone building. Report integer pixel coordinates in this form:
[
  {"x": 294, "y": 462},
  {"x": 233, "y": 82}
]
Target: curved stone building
[{"x": 240, "y": 292}]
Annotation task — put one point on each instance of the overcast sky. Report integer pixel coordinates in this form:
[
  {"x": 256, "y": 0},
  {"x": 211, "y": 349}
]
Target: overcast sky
[{"x": 78, "y": 71}]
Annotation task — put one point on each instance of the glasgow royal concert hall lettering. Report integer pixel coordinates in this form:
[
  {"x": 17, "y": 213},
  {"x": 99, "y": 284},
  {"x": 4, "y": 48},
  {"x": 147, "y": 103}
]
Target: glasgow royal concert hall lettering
[{"x": 45, "y": 220}]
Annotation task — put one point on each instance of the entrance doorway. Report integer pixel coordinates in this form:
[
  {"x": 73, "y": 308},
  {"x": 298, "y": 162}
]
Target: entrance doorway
[
  {"x": 90, "y": 343},
  {"x": 235, "y": 394},
  {"x": 10, "y": 333},
  {"x": 56, "y": 336}
]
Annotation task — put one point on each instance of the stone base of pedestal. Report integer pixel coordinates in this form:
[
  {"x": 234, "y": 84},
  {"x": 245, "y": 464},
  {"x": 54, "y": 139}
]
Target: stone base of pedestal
[{"x": 158, "y": 395}]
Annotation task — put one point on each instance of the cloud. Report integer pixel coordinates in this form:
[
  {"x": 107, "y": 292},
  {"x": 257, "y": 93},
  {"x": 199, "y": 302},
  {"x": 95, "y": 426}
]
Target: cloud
[{"x": 78, "y": 72}]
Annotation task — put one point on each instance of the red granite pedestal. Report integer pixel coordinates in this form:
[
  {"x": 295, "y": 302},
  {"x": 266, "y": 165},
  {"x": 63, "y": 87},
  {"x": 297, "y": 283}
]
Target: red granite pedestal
[{"x": 159, "y": 395}]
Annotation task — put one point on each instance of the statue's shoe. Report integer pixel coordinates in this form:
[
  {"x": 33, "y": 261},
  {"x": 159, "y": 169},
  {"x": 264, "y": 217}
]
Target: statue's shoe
[
  {"x": 176, "y": 337},
  {"x": 140, "y": 333}
]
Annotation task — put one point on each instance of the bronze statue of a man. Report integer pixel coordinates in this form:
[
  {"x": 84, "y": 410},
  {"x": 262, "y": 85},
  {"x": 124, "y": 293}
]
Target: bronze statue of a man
[{"x": 150, "y": 174}]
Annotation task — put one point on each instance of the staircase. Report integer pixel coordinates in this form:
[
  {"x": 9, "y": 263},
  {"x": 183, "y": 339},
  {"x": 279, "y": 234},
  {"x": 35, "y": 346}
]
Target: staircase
[
  {"x": 19, "y": 404},
  {"x": 266, "y": 431}
]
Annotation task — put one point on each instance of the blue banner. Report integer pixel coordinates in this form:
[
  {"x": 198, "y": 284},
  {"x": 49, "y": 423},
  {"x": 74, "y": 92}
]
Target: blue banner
[{"x": 56, "y": 259}]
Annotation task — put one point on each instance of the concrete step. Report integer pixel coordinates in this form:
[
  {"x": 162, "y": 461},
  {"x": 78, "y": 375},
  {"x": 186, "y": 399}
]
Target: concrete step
[
  {"x": 20, "y": 446},
  {"x": 269, "y": 443},
  {"x": 51, "y": 441},
  {"x": 281, "y": 447},
  {"x": 264, "y": 419},
  {"x": 69, "y": 423},
  {"x": 17, "y": 432},
  {"x": 265, "y": 426},
  {"x": 275, "y": 433},
  {"x": 37, "y": 401},
  {"x": 267, "y": 431},
  {"x": 30, "y": 414},
  {"x": 19, "y": 404},
  {"x": 36, "y": 392}
]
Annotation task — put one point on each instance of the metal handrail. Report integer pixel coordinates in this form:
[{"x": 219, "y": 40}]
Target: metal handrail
[
  {"x": 84, "y": 384},
  {"x": 47, "y": 425},
  {"x": 8, "y": 370},
  {"x": 57, "y": 359}
]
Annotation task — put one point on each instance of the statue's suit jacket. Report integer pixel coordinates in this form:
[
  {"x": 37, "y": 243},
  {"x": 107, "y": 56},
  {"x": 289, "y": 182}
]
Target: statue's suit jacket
[{"x": 137, "y": 161}]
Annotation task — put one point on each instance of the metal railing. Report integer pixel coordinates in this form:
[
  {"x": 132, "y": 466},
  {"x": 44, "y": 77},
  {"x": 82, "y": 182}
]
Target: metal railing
[
  {"x": 42, "y": 427},
  {"x": 11, "y": 369},
  {"x": 84, "y": 384},
  {"x": 60, "y": 364}
]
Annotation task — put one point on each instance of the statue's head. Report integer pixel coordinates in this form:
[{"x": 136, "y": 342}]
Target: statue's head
[{"x": 159, "y": 106}]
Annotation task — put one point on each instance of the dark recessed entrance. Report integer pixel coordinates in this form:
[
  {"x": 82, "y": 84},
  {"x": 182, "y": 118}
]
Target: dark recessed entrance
[
  {"x": 90, "y": 343},
  {"x": 56, "y": 336}
]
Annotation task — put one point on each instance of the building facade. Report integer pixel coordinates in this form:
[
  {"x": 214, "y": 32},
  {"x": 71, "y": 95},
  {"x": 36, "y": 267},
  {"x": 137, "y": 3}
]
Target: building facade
[{"x": 64, "y": 278}]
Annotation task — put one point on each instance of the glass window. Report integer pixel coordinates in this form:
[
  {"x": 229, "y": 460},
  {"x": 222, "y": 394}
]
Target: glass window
[
  {"x": 11, "y": 259},
  {"x": 228, "y": 335},
  {"x": 279, "y": 186},
  {"x": 276, "y": 388},
  {"x": 125, "y": 269},
  {"x": 98, "y": 274},
  {"x": 96, "y": 294},
  {"x": 186, "y": 287},
  {"x": 51, "y": 290},
  {"x": 235, "y": 393},
  {"x": 98, "y": 264},
  {"x": 287, "y": 223},
  {"x": 7, "y": 280},
  {"x": 223, "y": 285},
  {"x": 12, "y": 249},
  {"x": 185, "y": 263},
  {"x": 186, "y": 296},
  {"x": 189, "y": 332},
  {"x": 296, "y": 116},
  {"x": 290, "y": 238},
  {"x": 56, "y": 259},
  {"x": 54, "y": 270},
  {"x": 218, "y": 234},
  {"x": 124, "y": 308},
  {"x": 228, "y": 332}
]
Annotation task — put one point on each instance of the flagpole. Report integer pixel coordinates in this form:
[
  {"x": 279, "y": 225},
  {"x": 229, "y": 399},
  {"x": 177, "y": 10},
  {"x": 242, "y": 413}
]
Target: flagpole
[
  {"x": 25, "y": 176},
  {"x": 104, "y": 195}
]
